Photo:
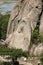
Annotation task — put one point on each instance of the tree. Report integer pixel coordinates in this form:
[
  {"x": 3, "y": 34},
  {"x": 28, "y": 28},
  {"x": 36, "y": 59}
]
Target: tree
[{"x": 3, "y": 25}]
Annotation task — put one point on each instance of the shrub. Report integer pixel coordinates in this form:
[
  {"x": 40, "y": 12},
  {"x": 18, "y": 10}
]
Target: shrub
[
  {"x": 13, "y": 53},
  {"x": 35, "y": 36},
  {"x": 3, "y": 25},
  {"x": 1, "y": 63},
  {"x": 41, "y": 59}
]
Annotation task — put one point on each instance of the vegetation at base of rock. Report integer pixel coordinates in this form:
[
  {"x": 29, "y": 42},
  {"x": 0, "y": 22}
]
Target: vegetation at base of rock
[
  {"x": 5, "y": 63},
  {"x": 13, "y": 53},
  {"x": 41, "y": 59},
  {"x": 41, "y": 38},
  {"x": 1, "y": 63},
  {"x": 3, "y": 25}
]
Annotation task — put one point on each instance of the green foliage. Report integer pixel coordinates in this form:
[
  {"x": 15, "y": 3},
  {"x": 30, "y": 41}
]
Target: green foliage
[
  {"x": 1, "y": 63},
  {"x": 17, "y": 53},
  {"x": 3, "y": 25},
  {"x": 13, "y": 53},
  {"x": 41, "y": 38},
  {"x": 41, "y": 59},
  {"x": 35, "y": 36},
  {"x": 26, "y": 54}
]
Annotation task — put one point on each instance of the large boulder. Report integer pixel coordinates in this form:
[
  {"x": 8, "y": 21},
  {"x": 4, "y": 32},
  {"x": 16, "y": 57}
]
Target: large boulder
[{"x": 22, "y": 22}]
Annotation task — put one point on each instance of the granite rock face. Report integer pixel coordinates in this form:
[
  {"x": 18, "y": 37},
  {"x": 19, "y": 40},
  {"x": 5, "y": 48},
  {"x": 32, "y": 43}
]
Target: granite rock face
[
  {"x": 22, "y": 22},
  {"x": 38, "y": 50},
  {"x": 41, "y": 24}
]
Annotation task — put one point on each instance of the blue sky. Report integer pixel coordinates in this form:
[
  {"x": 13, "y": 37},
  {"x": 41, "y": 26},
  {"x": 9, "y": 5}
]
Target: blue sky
[{"x": 6, "y": 6}]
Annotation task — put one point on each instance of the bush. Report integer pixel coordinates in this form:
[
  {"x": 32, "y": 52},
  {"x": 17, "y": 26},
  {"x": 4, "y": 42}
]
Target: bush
[
  {"x": 13, "y": 53},
  {"x": 3, "y": 25},
  {"x": 7, "y": 63},
  {"x": 41, "y": 59},
  {"x": 1, "y": 63},
  {"x": 35, "y": 36},
  {"x": 41, "y": 38}
]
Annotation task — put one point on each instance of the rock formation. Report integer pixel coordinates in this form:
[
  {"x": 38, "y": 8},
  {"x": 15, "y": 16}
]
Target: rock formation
[
  {"x": 23, "y": 20},
  {"x": 38, "y": 50},
  {"x": 24, "y": 17}
]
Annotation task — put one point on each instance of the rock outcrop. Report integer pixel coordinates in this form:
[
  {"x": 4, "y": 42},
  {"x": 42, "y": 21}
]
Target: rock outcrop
[
  {"x": 38, "y": 50},
  {"x": 23, "y": 20},
  {"x": 24, "y": 17},
  {"x": 2, "y": 59}
]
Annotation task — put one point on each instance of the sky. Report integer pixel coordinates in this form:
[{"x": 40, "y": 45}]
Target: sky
[{"x": 6, "y": 5}]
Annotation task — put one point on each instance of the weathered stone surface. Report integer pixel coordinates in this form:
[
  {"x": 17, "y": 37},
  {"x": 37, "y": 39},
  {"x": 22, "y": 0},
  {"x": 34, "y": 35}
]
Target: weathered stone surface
[
  {"x": 32, "y": 49},
  {"x": 23, "y": 62},
  {"x": 41, "y": 25},
  {"x": 2, "y": 59},
  {"x": 22, "y": 22},
  {"x": 38, "y": 50},
  {"x": 29, "y": 61},
  {"x": 28, "y": 9}
]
